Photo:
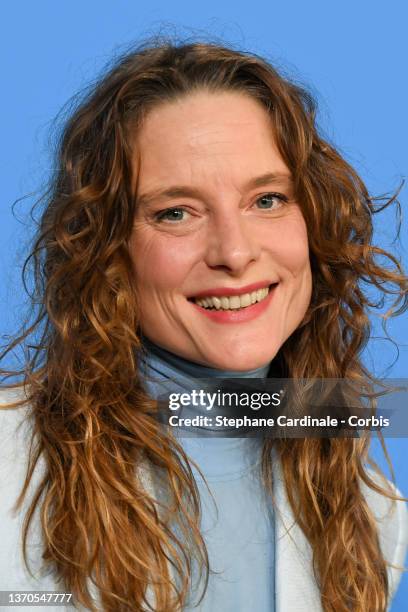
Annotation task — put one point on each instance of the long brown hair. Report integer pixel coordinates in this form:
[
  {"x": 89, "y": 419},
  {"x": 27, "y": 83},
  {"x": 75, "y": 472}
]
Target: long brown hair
[{"x": 92, "y": 422}]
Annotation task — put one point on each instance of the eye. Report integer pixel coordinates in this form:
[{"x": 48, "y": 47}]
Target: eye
[
  {"x": 171, "y": 214},
  {"x": 266, "y": 201}
]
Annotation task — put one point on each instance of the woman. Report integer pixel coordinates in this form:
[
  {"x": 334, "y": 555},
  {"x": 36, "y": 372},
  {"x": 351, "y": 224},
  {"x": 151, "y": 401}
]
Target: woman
[{"x": 197, "y": 226}]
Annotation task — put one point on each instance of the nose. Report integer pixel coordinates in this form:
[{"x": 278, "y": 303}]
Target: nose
[{"x": 231, "y": 245}]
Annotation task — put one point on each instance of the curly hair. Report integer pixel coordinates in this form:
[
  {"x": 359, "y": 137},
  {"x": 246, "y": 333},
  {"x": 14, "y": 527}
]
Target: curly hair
[{"x": 93, "y": 423}]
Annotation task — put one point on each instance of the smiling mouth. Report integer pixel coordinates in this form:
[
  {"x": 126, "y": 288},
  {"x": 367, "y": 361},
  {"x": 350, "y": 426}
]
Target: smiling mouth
[{"x": 233, "y": 302}]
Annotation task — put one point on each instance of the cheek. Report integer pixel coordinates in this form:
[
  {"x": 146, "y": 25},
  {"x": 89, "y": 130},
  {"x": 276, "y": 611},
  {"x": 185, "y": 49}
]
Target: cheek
[
  {"x": 290, "y": 248},
  {"x": 159, "y": 263},
  {"x": 299, "y": 272},
  {"x": 291, "y": 252},
  {"x": 296, "y": 257}
]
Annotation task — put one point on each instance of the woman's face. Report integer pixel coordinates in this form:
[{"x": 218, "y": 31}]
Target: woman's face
[{"x": 219, "y": 245}]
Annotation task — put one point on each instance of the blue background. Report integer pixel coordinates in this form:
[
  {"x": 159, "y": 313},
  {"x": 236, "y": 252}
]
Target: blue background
[{"x": 352, "y": 54}]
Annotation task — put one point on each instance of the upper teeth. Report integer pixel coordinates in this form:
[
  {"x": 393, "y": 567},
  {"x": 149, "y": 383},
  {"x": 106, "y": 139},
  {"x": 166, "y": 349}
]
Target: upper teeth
[{"x": 234, "y": 301}]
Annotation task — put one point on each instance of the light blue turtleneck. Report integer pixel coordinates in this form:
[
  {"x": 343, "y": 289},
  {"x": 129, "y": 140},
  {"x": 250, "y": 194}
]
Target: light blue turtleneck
[{"x": 237, "y": 523}]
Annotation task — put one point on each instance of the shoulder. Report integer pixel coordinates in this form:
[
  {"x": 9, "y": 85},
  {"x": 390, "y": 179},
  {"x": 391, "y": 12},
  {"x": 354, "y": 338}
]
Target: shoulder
[
  {"x": 391, "y": 517},
  {"x": 16, "y": 434},
  {"x": 14, "y": 428},
  {"x": 295, "y": 554},
  {"x": 14, "y": 449}
]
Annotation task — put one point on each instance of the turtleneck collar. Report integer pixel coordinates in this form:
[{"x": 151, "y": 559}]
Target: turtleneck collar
[
  {"x": 163, "y": 373},
  {"x": 160, "y": 361}
]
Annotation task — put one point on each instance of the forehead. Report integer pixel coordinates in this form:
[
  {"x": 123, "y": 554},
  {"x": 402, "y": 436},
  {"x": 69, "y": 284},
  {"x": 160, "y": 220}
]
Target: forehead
[{"x": 217, "y": 137}]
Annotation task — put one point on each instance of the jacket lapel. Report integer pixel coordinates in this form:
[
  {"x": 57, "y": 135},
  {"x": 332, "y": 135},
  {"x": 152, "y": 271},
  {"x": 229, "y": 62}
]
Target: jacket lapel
[{"x": 295, "y": 586}]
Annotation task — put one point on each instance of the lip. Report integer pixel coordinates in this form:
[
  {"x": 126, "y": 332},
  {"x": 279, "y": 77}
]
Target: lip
[
  {"x": 238, "y": 316},
  {"x": 226, "y": 291}
]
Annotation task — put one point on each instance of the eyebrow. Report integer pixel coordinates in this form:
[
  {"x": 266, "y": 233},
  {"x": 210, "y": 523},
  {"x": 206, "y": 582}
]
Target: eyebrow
[{"x": 186, "y": 191}]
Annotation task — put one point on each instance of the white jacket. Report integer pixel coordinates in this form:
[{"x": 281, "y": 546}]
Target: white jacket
[{"x": 296, "y": 588}]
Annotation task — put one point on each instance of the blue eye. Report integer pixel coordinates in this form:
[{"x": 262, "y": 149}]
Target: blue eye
[
  {"x": 171, "y": 214},
  {"x": 266, "y": 201}
]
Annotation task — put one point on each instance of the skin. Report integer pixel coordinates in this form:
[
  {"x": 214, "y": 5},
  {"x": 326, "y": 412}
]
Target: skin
[{"x": 223, "y": 234}]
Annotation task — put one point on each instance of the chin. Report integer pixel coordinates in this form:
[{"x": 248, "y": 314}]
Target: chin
[{"x": 241, "y": 361}]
